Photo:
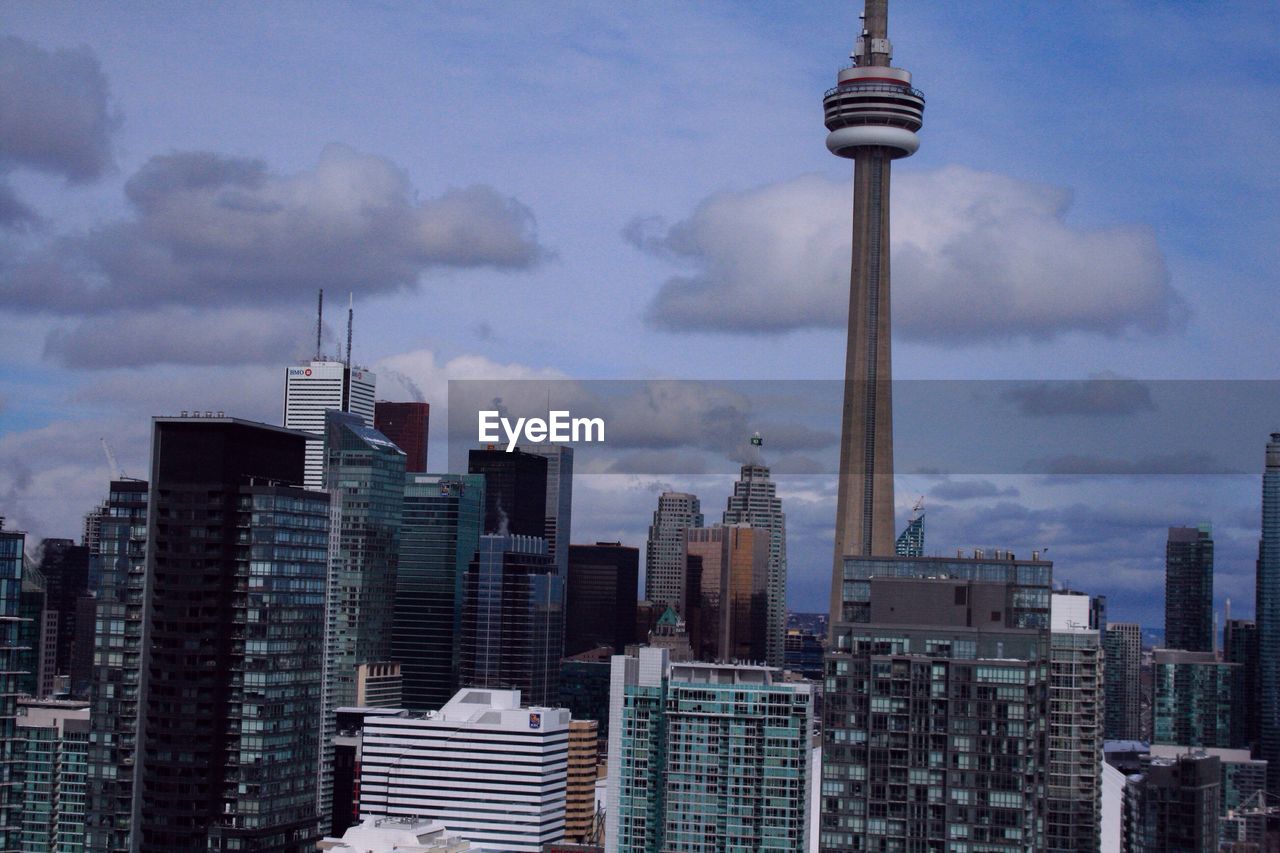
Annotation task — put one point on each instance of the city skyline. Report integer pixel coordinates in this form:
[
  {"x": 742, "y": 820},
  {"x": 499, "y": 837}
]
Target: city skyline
[{"x": 1012, "y": 142}]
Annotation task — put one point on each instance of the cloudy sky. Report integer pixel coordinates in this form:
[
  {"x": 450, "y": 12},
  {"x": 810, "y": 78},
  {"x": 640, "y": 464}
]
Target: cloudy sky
[{"x": 638, "y": 191}]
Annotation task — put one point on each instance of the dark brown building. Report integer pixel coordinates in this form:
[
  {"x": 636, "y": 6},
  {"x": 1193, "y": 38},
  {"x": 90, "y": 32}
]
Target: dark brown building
[{"x": 405, "y": 424}]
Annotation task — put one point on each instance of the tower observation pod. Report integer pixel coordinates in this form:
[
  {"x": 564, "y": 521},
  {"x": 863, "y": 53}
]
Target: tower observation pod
[{"x": 872, "y": 116}]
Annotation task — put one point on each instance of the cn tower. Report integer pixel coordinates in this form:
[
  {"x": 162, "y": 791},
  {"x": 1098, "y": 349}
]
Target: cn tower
[{"x": 872, "y": 115}]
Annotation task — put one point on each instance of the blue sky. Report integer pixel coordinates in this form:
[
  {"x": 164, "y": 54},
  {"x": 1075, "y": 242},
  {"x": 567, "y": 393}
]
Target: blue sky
[{"x": 1095, "y": 193}]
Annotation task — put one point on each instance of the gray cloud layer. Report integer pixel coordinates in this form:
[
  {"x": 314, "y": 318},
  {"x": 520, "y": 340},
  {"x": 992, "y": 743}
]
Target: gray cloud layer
[
  {"x": 213, "y": 230},
  {"x": 54, "y": 118},
  {"x": 977, "y": 257},
  {"x": 54, "y": 114},
  {"x": 1104, "y": 394},
  {"x": 229, "y": 237}
]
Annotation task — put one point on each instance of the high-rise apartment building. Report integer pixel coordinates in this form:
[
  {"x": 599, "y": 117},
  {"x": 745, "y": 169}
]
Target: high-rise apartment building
[
  {"x": 1193, "y": 700},
  {"x": 936, "y": 705},
  {"x": 488, "y": 768},
  {"x": 1242, "y": 778},
  {"x": 231, "y": 696},
  {"x": 755, "y": 502},
  {"x": 117, "y": 666},
  {"x": 316, "y": 387},
  {"x": 600, "y": 605},
  {"x": 1074, "y": 756},
  {"x": 65, "y": 568},
  {"x": 558, "y": 522},
  {"x": 515, "y": 491},
  {"x": 439, "y": 536},
  {"x": 12, "y": 543},
  {"x": 406, "y": 424},
  {"x": 706, "y": 757},
  {"x": 1173, "y": 804},
  {"x": 1122, "y": 646},
  {"x": 1188, "y": 589},
  {"x": 732, "y": 567},
  {"x": 1240, "y": 645},
  {"x": 512, "y": 633},
  {"x": 872, "y": 115},
  {"x": 1267, "y": 615},
  {"x": 53, "y": 747},
  {"x": 664, "y": 562}
]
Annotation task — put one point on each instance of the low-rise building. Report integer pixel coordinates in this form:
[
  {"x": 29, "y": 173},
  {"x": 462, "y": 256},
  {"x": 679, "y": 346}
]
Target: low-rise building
[{"x": 485, "y": 767}]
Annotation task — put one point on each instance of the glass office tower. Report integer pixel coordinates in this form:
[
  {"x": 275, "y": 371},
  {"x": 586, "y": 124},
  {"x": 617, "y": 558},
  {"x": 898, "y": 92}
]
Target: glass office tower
[{"x": 439, "y": 534}]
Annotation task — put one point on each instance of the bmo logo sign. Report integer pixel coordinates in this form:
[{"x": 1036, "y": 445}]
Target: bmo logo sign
[{"x": 299, "y": 371}]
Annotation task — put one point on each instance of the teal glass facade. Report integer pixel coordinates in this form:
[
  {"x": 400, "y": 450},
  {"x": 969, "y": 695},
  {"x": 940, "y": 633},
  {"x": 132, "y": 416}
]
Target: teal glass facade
[
  {"x": 710, "y": 757},
  {"x": 53, "y": 753},
  {"x": 440, "y": 529},
  {"x": 1194, "y": 700}
]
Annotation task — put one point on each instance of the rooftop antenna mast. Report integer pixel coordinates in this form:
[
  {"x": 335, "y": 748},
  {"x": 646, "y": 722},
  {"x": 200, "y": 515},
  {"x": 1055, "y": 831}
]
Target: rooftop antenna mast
[
  {"x": 319, "y": 321},
  {"x": 351, "y": 312}
]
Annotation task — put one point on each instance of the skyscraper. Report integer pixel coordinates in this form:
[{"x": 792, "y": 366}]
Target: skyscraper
[
  {"x": 936, "y": 705},
  {"x": 1173, "y": 804},
  {"x": 732, "y": 605},
  {"x": 65, "y": 567},
  {"x": 12, "y": 543},
  {"x": 755, "y": 502},
  {"x": 1074, "y": 756},
  {"x": 706, "y": 757},
  {"x": 54, "y": 738},
  {"x": 1267, "y": 615},
  {"x": 1188, "y": 589},
  {"x": 600, "y": 607},
  {"x": 558, "y": 522},
  {"x": 313, "y": 388},
  {"x": 406, "y": 424},
  {"x": 117, "y": 669},
  {"x": 1193, "y": 700},
  {"x": 872, "y": 115},
  {"x": 515, "y": 491},
  {"x": 364, "y": 475},
  {"x": 664, "y": 562},
  {"x": 1240, "y": 645},
  {"x": 439, "y": 536},
  {"x": 1122, "y": 646},
  {"x": 231, "y": 694},
  {"x": 910, "y": 541},
  {"x": 512, "y": 634}
]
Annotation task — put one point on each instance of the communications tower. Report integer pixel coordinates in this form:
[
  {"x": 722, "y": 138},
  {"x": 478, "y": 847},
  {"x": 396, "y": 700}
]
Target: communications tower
[{"x": 872, "y": 115}]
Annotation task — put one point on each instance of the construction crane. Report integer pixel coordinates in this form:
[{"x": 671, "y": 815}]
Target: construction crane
[{"x": 116, "y": 473}]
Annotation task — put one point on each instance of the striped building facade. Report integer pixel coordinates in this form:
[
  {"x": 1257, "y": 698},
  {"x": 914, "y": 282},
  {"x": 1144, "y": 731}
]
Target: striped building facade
[{"x": 488, "y": 769}]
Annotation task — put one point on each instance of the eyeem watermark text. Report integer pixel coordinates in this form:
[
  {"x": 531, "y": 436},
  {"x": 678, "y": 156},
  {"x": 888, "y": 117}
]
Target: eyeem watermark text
[{"x": 559, "y": 426}]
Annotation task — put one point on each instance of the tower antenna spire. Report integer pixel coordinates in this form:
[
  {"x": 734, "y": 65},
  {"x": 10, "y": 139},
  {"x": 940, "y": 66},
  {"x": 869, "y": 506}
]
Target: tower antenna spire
[
  {"x": 351, "y": 313},
  {"x": 319, "y": 321}
]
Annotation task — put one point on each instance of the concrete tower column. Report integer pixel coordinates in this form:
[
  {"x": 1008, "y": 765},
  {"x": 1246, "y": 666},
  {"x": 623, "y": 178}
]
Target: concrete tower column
[{"x": 872, "y": 116}]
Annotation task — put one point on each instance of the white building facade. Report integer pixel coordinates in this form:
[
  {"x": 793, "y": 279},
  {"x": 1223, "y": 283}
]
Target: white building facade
[
  {"x": 313, "y": 388},
  {"x": 483, "y": 766}
]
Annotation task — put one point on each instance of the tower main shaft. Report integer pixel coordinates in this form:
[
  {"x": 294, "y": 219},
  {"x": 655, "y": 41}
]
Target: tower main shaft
[{"x": 872, "y": 114}]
